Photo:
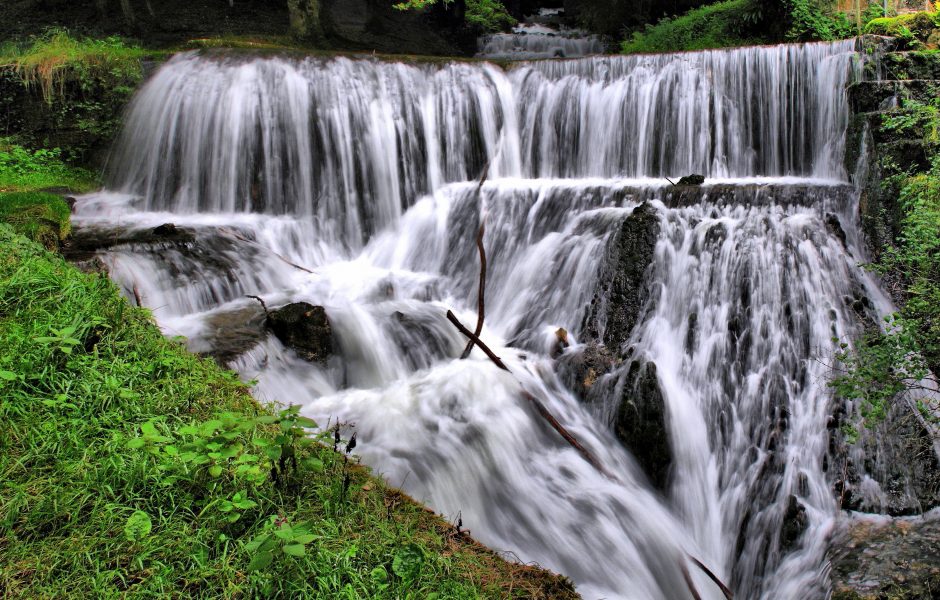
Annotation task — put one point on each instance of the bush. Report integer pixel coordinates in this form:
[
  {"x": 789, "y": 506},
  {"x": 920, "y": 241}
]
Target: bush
[{"x": 720, "y": 25}]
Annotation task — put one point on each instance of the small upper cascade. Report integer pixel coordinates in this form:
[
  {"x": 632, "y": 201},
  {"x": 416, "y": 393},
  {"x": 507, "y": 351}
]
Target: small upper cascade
[
  {"x": 354, "y": 143},
  {"x": 541, "y": 36}
]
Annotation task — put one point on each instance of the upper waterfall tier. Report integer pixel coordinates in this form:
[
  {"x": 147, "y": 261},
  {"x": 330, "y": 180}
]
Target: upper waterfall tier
[{"x": 354, "y": 142}]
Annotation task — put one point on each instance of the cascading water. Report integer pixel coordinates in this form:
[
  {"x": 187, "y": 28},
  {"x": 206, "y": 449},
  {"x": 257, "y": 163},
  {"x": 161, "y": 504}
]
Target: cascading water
[{"x": 348, "y": 184}]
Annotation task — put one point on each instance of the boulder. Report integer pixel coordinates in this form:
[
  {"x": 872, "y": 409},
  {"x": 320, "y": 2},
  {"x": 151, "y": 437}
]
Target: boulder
[
  {"x": 229, "y": 334},
  {"x": 618, "y": 304},
  {"x": 693, "y": 179},
  {"x": 640, "y": 422},
  {"x": 305, "y": 329}
]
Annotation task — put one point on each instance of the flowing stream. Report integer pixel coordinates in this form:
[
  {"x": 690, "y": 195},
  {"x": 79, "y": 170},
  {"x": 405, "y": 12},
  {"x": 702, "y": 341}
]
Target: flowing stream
[{"x": 351, "y": 184}]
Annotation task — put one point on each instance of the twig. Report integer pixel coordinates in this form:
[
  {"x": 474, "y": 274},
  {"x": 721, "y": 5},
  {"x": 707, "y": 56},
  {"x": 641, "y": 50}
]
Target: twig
[
  {"x": 266, "y": 311},
  {"x": 482, "y": 291},
  {"x": 239, "y": 236},
  {"x": 688, "y": 581},
  {"x": 482, "y": 288},
  {"x": 670, "y": 181},
  {"x": 724, "y": 589},
  {"x": 543, "y": 412},
  {"x": 137, "y": 296},
  {"x": 475, "y": 339}
]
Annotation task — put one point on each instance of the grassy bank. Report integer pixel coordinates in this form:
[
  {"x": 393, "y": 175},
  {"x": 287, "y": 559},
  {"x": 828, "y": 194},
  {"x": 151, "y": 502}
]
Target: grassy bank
[{"x": 129, "y": 467}]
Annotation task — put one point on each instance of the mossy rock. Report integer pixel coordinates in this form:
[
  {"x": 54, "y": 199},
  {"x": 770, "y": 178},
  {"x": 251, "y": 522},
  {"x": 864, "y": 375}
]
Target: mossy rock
[
  {"x": 913, "y": 30},
  {"x": 41, "y": 217}
]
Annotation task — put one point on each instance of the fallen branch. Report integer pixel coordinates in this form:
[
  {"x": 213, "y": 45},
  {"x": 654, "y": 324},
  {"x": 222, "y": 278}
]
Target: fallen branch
[
  {"x": 137, "y": 298},
  {"x": 481, "y": 294},
  {"x": 482, "y": 291},
  {"x": 239, "y": 236},
  {"x": 475, "y": 339},
  {"x": 724, "y": 589},
  {"x": 688, "y": 581},
  {"x": 264, "y": 306},
  {"x": 539, "y": 407}
]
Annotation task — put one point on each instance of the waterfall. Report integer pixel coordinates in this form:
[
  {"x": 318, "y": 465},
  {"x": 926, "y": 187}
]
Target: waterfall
[
  {"x": 536, "y": 45},
  {"x": 351, "y": 184}
]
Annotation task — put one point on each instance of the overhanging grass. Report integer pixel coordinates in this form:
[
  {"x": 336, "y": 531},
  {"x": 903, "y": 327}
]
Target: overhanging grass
[
  {"x": 53, "y": 59},
  {"x": 80, "y": 372},
  {"x": 716, "y": 25}
]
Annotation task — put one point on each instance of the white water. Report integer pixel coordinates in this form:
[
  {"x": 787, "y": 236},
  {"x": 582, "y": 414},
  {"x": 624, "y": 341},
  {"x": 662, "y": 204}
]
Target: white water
[{"x": 357, "y": 171}]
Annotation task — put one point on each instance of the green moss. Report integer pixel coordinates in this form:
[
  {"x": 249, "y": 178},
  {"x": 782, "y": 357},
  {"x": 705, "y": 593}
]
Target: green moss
[
  {"x": 99, "y": 499},
  {"x": 719, "y": 25},
  {"x": 43, "y": 218},
  {"x": 913, "y": 29}
]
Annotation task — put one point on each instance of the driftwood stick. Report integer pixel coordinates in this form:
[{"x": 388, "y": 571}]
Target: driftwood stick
[
  {"x": 688, "y": 581},
  {"x": 584, "y": 452},
  {"x": 539, "y": 407},
  {"x": 481, "y": 307},
  {"x": 475, "y": 339},
  {"x": 239, "y": 236},
  {"x": 263, "y": 305},
  {"x": 137, "y": 298},
  {"x": 482, "y": 289},
  {"x": 724, "y": 589}
]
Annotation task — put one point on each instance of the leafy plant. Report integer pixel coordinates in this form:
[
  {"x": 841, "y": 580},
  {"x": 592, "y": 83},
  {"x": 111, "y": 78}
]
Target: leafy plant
[
  {"x": 278, "y": 539},
  {"x": 408, "y": 562},
  {"x": 291, "y": 439},
  {"x": 62, "y": 339},
  {"x": 138, "y": 526}
]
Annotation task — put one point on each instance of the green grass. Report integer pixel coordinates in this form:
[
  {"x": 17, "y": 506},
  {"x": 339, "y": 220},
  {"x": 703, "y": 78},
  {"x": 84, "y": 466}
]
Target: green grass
[
  {"x": 50, "y": 61},
  {"x": 41, "y": 217},
  {"x": 716, "y": 25},
  {"x": 24, "y": 170},
  {"x": 131, "y": 468}
]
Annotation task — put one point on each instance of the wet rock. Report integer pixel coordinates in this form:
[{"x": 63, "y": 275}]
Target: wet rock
[
  {"x": 907, "y": 65},
  {"x": 795, "y": 522},
  {"x": 229, "y": 334},
  {"x": 886, "y": 558},
  {"x": 874, "y": 96},
  {"x": 640, "y": 422},
  {"x": 581, "y": 370},
  {"x": 834, "y": 225},
  {"x": 618, "y": 305},
  {"x": 693, "y": 179},
  {"x": 86, "y": 241},
  {"x": 898, "y": 455},
  {"x": 165, "y": 230},
  {"x": 305, "y": 329}
]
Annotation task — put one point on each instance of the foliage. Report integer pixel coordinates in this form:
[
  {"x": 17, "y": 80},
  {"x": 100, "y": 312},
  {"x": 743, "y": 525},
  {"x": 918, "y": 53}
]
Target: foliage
[
  {"x": 25, "y": 170},
  {"x": 887, "y": 366},
  {"x": 55, "y": 58},
  {"x": 720, "y": 25},
  {"x": 122, "y": 471},
  {"x": 912, "y": 29},
  {"x": 484, "y": 15},
  {"x": 814, "y": 20}
]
